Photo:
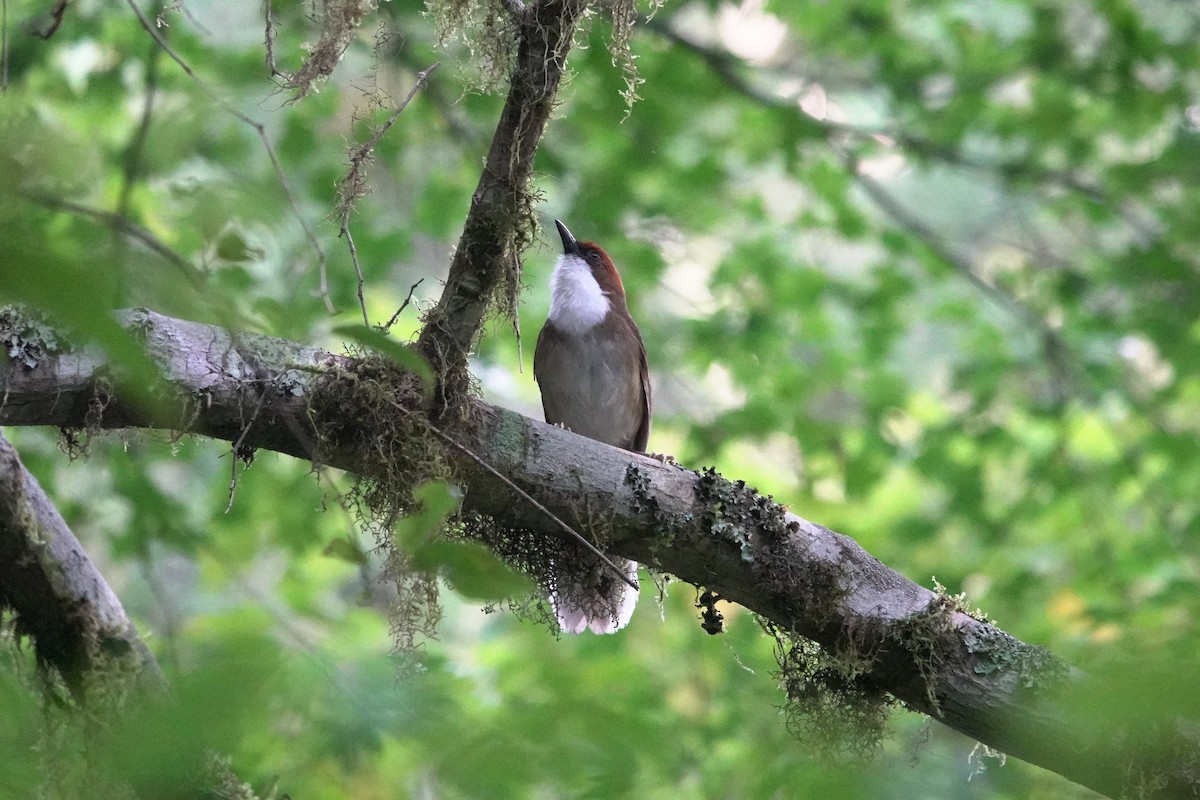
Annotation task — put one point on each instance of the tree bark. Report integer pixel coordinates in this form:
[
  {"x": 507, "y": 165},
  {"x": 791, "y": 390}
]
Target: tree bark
[
  {"x": 501, "y": 216},
  {"x": 60, "y": 599},
  {"x": 712, "y": 532}
]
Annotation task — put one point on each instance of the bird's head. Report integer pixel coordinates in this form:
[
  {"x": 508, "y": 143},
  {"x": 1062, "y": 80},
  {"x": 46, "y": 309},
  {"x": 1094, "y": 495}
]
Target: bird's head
[
  {"x": 595, "y": 261},
  {"x": 585, "y": 285}
]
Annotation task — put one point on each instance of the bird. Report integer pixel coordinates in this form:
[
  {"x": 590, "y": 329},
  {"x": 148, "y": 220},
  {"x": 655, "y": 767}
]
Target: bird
[{"x": 590, "y": 366}]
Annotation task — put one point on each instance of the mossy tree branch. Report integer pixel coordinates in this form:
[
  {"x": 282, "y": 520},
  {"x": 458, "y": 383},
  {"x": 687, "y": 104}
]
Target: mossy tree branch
[
  {"x": 500, "y": 221},
  {"x": 60, "y": 600},
  {"x": 907, "y": 641}
]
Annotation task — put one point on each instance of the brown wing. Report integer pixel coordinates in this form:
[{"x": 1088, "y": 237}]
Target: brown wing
[
  {"x": 642, "y": 437},
  {"x": 540, "y": 357}
]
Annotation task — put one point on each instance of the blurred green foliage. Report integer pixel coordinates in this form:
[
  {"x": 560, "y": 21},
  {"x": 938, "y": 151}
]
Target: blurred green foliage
[{"x": 926, "y": 271}]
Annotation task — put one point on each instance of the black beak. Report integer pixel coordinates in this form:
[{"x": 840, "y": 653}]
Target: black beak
[{"x": 570, "y": 246}]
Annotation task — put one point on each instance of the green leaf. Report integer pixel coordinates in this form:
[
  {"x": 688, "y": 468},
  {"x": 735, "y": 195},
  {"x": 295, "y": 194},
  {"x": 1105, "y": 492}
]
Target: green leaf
[
  {"x": 434, "y": 503},
  {"x": 472, "y": 569},
  {"x": 402, "y": 355},
  {"x": 346, "y": 550}
]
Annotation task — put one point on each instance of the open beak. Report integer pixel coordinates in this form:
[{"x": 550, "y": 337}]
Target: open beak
[{"x": 570, "y": 246}]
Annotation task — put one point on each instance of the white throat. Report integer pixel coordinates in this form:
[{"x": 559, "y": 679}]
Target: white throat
[{"x": 577, "y": 302}]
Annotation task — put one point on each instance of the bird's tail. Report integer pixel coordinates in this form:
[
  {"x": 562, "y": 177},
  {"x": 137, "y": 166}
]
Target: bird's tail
[{"x": 598, "y": 601}]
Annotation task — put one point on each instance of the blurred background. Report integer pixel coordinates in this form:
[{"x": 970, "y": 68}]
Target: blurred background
[{"x": 924, "y": 271}]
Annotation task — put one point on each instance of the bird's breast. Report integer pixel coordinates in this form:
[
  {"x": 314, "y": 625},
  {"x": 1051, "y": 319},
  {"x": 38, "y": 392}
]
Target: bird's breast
[{"x": 591, "y": 383}]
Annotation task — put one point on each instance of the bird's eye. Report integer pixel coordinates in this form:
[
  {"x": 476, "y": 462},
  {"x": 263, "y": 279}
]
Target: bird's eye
[{"x": 593, "y": 257}]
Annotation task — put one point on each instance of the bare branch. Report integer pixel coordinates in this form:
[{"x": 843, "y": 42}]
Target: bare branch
[
  {"x": 122, "y": 224},
  {"x": 403, "y": 306},
  {"x": 132, "y": 157},
  {"x": 46, "y": 25}
]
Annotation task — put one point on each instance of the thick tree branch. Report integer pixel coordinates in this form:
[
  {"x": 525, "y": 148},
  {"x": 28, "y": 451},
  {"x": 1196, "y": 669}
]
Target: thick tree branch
[
  {"x": 708, "y": 531},
  {"x": 500, "y": 219},
  {"x": 60, "y": 599}
]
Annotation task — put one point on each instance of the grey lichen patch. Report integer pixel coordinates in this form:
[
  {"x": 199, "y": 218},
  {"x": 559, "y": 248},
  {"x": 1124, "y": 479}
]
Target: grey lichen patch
[
  {"x": 996, "y": 651},
  {"x": 509, "y": 438},
  {"x": 639, "y": 482},
  {"x": 667, "y": 525},
  {"x": 27, "y": 337},
  {"x": 735, "y": 511},
  {"x": 644, "y": 502},
  {"x": 725, "y": 511},
  {"x": 765, "y": 537}
]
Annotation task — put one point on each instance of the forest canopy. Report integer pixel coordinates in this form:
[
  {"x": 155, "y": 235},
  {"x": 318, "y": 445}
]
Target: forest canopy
[{"x": 924, "y": 273}]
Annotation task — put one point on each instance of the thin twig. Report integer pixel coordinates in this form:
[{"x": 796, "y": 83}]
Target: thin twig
[
  {"x": 47, "y": 25},
  {"x": 422, "y": 76},
  {"x": 192, "y": 18},
  {"x": 269, "y": 41},
  {"x": 3, "y": 45},
  {"x": 137, "y": 145},
  {"x": 237, "y": 446},
  {"x": 362, "y": 302},
  {"x": 153, "y": 31},
  {"x": 403, "y": 306},
  {"x": 323, "y": 291},
  {"x": 529, "y": 499},
  {"x": 353, "y": 186},
  {"x": 126, "y": 226}
]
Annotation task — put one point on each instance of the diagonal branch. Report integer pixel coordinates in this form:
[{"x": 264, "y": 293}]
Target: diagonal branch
[
  {"x": 911, "y": 643},
  {"x": 61, "y": 600},
  {"x": 120, "y": 223},
  {"x": 1058, "y": 354},
  {"x": 500, "y": 220}
]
